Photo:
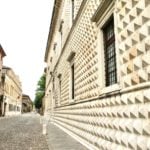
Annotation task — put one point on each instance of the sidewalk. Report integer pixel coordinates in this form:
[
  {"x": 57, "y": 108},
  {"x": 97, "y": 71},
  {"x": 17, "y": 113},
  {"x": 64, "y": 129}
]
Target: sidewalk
[{"x": 59, "y": 140}]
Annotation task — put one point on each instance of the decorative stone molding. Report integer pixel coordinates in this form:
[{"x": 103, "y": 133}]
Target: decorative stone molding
[
  {"x": 101, "y": 9},
  {"x": 71, "y": 56}
]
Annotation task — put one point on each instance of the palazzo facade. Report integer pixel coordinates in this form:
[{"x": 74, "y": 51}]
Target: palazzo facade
[
  {"x": 98, "y": 72},
  {"x": 12, "y": 94}
]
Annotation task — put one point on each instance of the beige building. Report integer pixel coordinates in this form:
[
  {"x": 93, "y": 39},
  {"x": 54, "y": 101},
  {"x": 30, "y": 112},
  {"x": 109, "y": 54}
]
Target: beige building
[
  {"x": 27, "y": 104},
  {"x": 98, "y": 72},
  {"x": 2, "y": 54},
  {"x": 12, "y": 96}
]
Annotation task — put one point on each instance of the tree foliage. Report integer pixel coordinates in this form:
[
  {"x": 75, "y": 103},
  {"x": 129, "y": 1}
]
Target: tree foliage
[{"x": 40, "y": 92}]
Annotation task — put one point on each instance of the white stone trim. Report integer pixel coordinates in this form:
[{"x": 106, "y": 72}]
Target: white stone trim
[
  {"x": 101, "y": 22},
  {"x": 110, "y": 88},
  {"x": 70, "y": 59}
]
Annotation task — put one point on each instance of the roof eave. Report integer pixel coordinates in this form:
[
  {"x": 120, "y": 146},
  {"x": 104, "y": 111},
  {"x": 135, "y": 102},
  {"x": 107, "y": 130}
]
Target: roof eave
[{"x": 55, "y": 13}]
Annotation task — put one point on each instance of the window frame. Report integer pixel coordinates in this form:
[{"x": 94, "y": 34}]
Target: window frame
[
  {"x": 60, "y": 88},
  {"x": 61, "y": 33},
  {"x": 54, "y": 47},
  {"x": 71, "y": 61},
  {"x": 105, "y": 11},
  {"x": 110, "y": 52},
  {"x": 53, "y": 91},
  {"x": 72, "y": 81},
  {"x": 72, "y": 10}
]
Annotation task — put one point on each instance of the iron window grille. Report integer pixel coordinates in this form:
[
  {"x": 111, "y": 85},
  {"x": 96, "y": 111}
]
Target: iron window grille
[
  {"x": 72, "y": 10},
  {"x": 72, "y": 78},
  {"x": 110, "y": 54}
]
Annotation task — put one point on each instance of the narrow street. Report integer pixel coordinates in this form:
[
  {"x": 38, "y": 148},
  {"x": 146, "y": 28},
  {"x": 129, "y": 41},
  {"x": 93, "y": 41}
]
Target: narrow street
[{"x": 22, "y": 132}]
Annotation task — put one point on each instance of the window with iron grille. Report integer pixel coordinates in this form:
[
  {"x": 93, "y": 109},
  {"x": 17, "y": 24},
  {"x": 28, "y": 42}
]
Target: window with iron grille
[
  {"x": 61, "y": 32},
  {"x": 55, "y": 46},
  {"x": 110, "y": 54},
  {"x": 72, "y": 81},
  {"x": 60, "y": 85},
  {"x": 72, "y": 1},
  {"x": 70, "y": 59}
]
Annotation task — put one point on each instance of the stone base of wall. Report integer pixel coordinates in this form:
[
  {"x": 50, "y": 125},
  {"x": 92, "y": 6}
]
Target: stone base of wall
[
  {"x": 118, "y": 121},
  {"x": 12, "y": 113}
]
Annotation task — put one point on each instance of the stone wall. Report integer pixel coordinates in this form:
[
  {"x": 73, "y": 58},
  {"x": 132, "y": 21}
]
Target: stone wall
[
  {"x": 119, "y": 121},
  {"x": 115, "y": 117}
]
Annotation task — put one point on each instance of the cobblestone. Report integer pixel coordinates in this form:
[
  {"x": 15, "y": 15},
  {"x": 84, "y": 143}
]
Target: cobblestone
[{"x": 22, "y": 133}]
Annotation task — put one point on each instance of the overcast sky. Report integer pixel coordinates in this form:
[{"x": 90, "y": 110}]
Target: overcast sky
[{"x": 24, "y": 27}]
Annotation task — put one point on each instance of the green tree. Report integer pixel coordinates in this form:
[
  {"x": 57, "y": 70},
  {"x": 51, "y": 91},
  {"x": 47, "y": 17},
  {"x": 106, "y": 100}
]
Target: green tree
[{"x": 40, "y": 92}]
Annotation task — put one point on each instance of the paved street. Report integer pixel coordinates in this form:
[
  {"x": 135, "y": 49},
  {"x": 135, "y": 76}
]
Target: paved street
[
  {"x": 59, "y": 140},
  {"x": 22, "y": 133}
]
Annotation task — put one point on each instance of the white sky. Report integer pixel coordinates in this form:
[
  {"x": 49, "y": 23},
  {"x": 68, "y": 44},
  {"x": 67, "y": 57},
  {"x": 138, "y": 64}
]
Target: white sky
[{"x": 24, "y": 27}]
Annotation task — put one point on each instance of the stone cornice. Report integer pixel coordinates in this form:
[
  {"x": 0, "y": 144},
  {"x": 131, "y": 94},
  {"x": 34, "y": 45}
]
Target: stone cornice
[
  {"x": 10, "y": 74},
  {"x": 71, "y": 56},
  {"x": 101, "y": 9},
  {"x": 55, "y": 14},
  {"x": 106, "y": 95},
  {"x": 26, "y": 98}
]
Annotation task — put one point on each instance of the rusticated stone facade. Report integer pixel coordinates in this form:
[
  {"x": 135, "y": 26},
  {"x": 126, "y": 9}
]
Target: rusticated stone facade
[
  {"x": 101, "y": 111},
  {"x": 12, "y": 95}
]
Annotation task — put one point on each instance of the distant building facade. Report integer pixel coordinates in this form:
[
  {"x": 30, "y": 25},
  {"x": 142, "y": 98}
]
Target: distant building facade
[
  {"x": 27, "y": 104},
  {"x": 12, "y": 95},
  {"x": 98, "y": 72},
  {"x": 2, "y": 54}
]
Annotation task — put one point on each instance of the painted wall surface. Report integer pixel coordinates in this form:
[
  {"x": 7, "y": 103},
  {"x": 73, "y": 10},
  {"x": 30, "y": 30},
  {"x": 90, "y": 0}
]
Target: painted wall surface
[{"x": 12, "y": 96}]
